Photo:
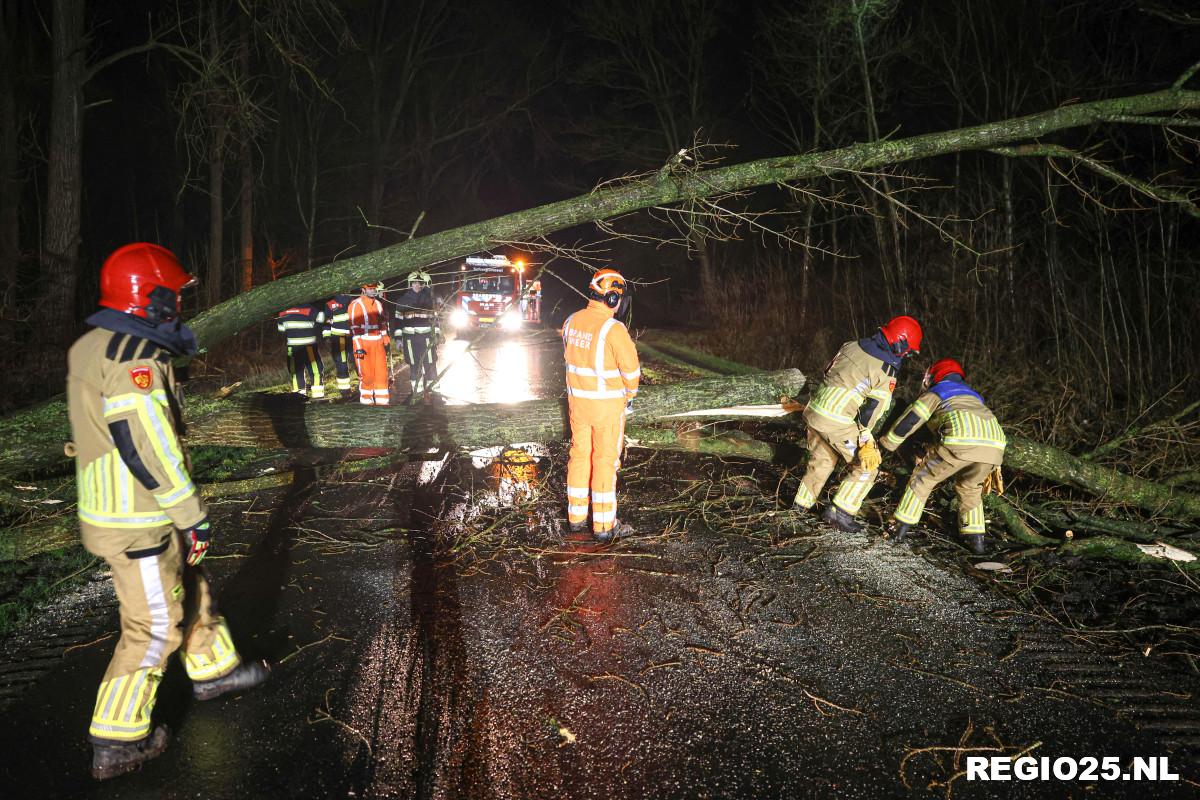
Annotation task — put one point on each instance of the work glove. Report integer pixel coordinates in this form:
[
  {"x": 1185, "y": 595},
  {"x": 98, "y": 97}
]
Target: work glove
[
  {"x": 197, "y": 538},
  {"x": 868, "y": 454},
  {"x": 629, "y": 406},
  {"x": 994, "y": 482}
]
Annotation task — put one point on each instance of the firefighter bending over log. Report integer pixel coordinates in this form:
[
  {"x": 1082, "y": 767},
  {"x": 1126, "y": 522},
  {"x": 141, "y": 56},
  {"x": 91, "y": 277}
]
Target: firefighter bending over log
[
  {"x": 855, "y": 393},
  {"x": 418, "y": 330},
  {"x": 138, "y": 507},
  {"x": 970, "y": 449},
  {"x": 602, "y": 381}
]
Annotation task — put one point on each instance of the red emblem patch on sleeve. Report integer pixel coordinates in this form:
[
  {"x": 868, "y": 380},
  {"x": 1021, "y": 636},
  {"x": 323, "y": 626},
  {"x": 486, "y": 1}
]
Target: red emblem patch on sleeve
[
  {"x": 142, "y": 377},
  {"x": 892, "y": 385}
]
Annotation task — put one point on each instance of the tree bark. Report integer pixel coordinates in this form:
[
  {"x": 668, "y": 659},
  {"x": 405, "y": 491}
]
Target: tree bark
[
  {"x": 216, "y": 212},
  {"x": 64, "y": 180},
  {"x": 246, "y": 204},
  {"x": 262, "y": 302},
  {"x": 10, "y": 181},
  {"x": 282, "y": 421}
]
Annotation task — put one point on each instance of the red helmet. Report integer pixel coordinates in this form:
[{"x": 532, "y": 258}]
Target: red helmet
[
  {"x": 942, "y": 369},
  {"x": 903, "y": 334},
  {"x": 143, "y": 279}
]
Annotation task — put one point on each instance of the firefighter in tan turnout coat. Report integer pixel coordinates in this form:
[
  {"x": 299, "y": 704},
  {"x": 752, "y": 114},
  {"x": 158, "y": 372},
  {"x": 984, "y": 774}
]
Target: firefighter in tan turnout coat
[
  {"x": 138, "y": 507},
  {"x": 855, "y": 392},
  {"x": 970, "y": 448}
]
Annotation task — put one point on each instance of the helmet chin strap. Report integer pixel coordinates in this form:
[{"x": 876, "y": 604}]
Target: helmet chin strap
[{"x": 163, "y": 306}]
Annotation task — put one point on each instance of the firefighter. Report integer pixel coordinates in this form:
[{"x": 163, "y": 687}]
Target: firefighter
[
  {"x": 138, "y": 507},
  {"x": 337, "y": 330},
  {"x": 854, "y": 394},
  {"x": 303, "y": 326},
  {"x": 602, "y": 381},
  {"x": 970, "y": 448},
  {"x": 419, "y": 333},
  {"x": 368, "y": 326}
]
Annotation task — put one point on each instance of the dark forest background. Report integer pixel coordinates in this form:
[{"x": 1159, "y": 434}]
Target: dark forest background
[{"x": 258, "y": 138}]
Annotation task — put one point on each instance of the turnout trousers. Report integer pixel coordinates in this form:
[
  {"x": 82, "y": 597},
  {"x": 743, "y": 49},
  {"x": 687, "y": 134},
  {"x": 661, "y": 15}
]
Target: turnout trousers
[
  {"x": 339, "y": 348},
  {"x": 825, "y": 450},
  {"x": 597, "y": 435},
  {"x": 420, "y": 351},
  {"x": 370, "y": 358},
  {"x": 936, "y": 467},
  {"x": 304, "y": 362},
  {"x": 163, "y": 604}
]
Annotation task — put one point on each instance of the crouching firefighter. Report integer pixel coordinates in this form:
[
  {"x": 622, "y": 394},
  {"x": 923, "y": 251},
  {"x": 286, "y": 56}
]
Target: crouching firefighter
[
  {"x": 855, "y": 392},
  {"x": 138, "y": 507},
  {"x": 302, "y": 327},
  {"x": 970, "y": 448},
  {"x": 337, "y": 330},
  {"x": 419, "y": 332},
  {"x": 602, "y": 381}
]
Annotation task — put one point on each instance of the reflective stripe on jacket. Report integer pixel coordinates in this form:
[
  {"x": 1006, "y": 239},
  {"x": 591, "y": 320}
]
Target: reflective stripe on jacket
[
  {"x": 415, "y": 313},
  {"x": 853, "y": 377},
  {"x": 129, "y": 463},
  {"x": 301, "y": 325},
  {"x": 602, "y": 361},
  {"x": 367, "y": 319},
  {"x": 337, "y": 316},
  {"x": 960, "y": 420}
]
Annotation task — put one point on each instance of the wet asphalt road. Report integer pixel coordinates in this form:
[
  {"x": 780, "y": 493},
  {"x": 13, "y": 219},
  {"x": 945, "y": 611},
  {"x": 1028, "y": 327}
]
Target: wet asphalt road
[{"x": 436, "y": 634}]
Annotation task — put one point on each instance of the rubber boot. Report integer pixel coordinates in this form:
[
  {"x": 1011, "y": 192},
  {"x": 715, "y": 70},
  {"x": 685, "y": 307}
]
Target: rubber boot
[
  {"x": 974, "y": 543},
  {"x": 247, "y": 675},
  {"x": 577, "y": 527},
  {"x": 898, "y": 530},
  {"x": 619, "y": 530},
  {"x": 841, "y": 520},
  {"x": 111, "y": 760}
]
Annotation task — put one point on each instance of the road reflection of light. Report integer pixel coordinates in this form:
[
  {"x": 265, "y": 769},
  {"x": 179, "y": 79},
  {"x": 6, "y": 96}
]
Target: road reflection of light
[{"x": 489, "y": 372}]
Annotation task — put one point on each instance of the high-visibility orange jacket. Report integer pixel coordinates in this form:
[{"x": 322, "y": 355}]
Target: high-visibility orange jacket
[
  {"x": 367, "y": 319},
  {"x": 602, "y": 362}
]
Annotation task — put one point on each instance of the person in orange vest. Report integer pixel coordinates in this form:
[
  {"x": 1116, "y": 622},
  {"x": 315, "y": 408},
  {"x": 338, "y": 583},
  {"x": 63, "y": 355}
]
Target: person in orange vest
[
  {"x": 602, "y": 381},
  {"x": 368, "y": 326}
]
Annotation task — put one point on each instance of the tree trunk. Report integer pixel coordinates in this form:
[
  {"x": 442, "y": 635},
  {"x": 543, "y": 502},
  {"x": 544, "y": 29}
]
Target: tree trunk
[
  {"x": 280, "y": 421},
  {"x": 246, "y": 203},
  {"x": 10, "y": 180},
  {"x": 1053, "y": 464},
  {"x": 262, "y": 302},
  {"x": 246, "y": 163},
  {"x": 216, "y": 212},
  {"x": 57, "y": 316}
]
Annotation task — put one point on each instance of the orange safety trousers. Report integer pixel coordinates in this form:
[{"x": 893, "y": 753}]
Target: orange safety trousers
[
  {"x": 370, "y": 358},
  {"x": 597, "y": 435}
]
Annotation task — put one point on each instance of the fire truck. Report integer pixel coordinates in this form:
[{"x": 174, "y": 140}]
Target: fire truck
[{"x": 491, "y": 291}]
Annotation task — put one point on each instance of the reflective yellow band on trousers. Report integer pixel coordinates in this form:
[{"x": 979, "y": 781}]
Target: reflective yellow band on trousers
[
  {"x": 224, "y": 658},
  {"x": 123, "y": 706}
]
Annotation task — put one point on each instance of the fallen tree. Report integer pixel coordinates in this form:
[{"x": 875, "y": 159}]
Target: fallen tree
[
  {"x": 282, "y": 421},
  {"x": 661, "y": 189}
]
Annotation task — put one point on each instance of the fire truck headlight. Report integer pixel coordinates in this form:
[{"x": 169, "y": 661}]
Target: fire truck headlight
[
  {"x": 511, "y": 321},
  {"x": 459, "y": 318}
]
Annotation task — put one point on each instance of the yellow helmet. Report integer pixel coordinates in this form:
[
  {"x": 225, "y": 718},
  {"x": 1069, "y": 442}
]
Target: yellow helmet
[{"x": 607, "y": 285}]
